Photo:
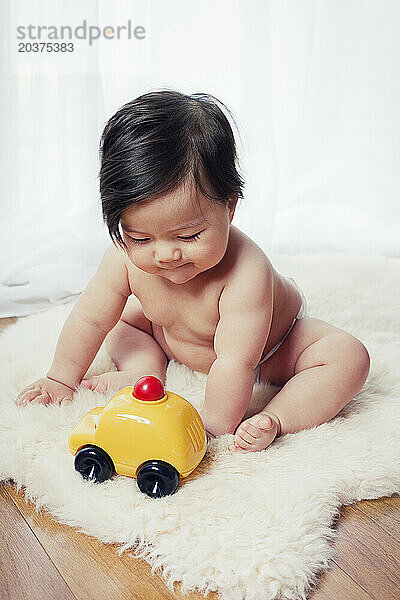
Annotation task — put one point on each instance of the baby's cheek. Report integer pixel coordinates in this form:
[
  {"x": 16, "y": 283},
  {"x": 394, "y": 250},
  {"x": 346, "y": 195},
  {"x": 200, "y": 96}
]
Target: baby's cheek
[
  {"x": 138, "y": 260},
  {"x": 203, "y": 262},
  {"x": 212, "y": 252}
]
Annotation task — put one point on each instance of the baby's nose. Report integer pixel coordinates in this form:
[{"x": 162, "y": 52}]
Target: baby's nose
[{"x": 167, "y": 255}]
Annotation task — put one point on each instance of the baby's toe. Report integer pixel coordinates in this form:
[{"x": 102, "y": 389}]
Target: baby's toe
[
  {"x": 243, "y": 439},
  {"x": 258, "y": 424},
  {"x": 264, "y": 422},
  {"x": 245, "y": 432},
  {"x": 256, "y": 433},
  {"x": 253, "y": 427},
  {"x": 239, "y": 446}
]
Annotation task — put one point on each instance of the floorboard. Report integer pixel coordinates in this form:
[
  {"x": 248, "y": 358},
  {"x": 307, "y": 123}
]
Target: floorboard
[
  {"x": 368, "y": 554},
  {"x": 27, "y": 570},
  {"x": 90, "y": 568}
]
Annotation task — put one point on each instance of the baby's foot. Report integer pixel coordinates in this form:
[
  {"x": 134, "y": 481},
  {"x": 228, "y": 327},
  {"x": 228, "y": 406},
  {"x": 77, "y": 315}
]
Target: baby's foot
[
  {"x": 256, "y": 433},
  {"x": 107, "y": 382}
]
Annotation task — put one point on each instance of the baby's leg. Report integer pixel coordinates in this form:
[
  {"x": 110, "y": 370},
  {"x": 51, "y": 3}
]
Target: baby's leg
[
  {"x": 328, "y": 372},
  {"x": 132, "y": 349}
]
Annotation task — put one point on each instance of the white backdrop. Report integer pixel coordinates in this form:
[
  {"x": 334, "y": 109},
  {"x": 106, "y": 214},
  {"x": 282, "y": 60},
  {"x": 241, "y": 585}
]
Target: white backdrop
[{"x": 314, "y": 87}]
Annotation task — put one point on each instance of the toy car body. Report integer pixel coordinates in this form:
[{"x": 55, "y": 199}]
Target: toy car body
[{"x": 155, "y": 441}]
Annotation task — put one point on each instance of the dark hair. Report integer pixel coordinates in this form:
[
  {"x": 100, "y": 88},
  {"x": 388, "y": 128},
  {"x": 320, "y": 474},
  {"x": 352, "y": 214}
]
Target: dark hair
[{"x": 159, "y": 140}]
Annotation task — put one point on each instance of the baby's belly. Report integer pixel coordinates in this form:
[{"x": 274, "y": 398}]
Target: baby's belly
[{"x": 196, "y": 356}]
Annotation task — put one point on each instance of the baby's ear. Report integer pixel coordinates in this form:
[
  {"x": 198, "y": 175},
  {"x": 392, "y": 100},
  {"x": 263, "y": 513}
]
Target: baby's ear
[{"x": 232, "y": 207}]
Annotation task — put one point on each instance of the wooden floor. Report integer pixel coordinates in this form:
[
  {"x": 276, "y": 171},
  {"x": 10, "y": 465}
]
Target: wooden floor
[{"x": 40, "y": 558}]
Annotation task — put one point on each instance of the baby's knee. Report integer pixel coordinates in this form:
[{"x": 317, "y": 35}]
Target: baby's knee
[
  {"x": 357, "y": 356},
  {"x": 113, "y": 337}
]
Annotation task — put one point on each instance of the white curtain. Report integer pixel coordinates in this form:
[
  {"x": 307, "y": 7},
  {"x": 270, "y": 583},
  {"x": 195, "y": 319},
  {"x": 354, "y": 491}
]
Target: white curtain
[
  {"x": 336, "y": 89},
  {"x": 314, "y": 88}
]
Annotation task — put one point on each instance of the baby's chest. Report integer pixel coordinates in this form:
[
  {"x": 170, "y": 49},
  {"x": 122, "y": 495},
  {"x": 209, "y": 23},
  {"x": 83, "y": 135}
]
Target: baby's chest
[{"x": 183, "y": 316}]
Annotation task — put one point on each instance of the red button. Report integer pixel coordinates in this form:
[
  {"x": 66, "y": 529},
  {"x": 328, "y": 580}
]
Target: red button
[{"x": 148, "y": 388}]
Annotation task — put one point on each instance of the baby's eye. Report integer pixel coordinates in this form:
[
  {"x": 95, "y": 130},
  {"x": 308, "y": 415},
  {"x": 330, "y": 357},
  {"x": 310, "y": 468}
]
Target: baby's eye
[
  {"x": 138, "y": 241},
  {"x": 191, "y": 238}
]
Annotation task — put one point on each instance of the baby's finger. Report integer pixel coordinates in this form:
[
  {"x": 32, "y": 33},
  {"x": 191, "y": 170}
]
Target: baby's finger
[
  {"x": 64, "y": 401},
  {"x": 19, "y": 397},
  {"x": 28, "y": 395},
  {"x": 43, "y": 398},
  {"x": 30, "y": 387}
]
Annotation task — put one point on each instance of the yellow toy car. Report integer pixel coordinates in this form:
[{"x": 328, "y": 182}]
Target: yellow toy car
[{"x": 143, "y": 432}]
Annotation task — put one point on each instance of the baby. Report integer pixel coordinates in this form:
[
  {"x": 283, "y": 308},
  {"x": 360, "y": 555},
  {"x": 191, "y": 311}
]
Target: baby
[{"x": 180, "y": 282}]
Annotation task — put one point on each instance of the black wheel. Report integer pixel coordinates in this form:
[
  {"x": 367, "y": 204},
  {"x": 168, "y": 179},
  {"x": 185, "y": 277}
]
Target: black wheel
[
  {"x": 94, "y": 464},
  {"x": 157, "y": 478}
]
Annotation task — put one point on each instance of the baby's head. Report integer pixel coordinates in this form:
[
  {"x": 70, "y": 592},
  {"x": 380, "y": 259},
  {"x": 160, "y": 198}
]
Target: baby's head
[{"x": 169, "y": 182}]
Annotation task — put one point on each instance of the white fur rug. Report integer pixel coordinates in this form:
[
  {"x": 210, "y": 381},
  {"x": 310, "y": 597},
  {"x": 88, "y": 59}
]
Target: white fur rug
[{"x": 249, "y": 526}]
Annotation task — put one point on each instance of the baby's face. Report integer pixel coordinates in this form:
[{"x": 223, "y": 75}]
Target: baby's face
[{"x": 175, "y": 236}]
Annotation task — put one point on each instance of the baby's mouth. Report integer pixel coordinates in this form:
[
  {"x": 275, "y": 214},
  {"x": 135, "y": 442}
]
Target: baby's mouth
[{"x": 172, "y": 268}]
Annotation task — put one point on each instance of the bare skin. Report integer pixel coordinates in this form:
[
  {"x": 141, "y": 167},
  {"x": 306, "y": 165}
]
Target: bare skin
[
  {"x": 184, "y": 320},
  {"x": 174, "y": 297}
]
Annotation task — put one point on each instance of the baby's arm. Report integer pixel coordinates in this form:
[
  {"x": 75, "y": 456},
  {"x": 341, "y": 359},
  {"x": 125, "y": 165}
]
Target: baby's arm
[
  {"x": 94, "y": 314},
  {"x": 245, "y": 306}
]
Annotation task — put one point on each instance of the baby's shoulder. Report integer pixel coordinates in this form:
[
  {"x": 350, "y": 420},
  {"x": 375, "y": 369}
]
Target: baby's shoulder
[
  {"x": 246, "y": 254},
  {"x": 250, "y": 265},
  {"x": 113, "y": 269}
]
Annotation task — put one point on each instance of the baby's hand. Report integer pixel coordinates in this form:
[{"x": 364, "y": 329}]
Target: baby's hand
[{"x": 44, "y": 391}]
